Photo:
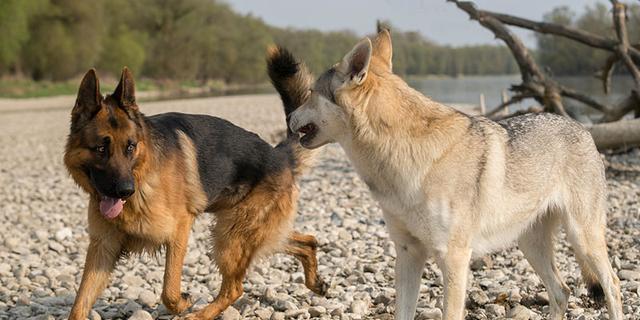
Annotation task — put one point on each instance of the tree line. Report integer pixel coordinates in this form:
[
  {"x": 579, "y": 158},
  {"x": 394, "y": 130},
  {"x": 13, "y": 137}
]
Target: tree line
[
  {"x": 205, "y": 39},
  {"x": 193, "y": 40}
]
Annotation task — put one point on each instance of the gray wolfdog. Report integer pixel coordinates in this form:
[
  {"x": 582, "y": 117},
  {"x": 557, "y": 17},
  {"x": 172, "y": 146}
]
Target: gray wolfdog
[{"x": 453, "y": 186}]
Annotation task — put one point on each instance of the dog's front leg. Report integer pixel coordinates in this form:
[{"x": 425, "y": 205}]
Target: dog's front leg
[
  {"x": 455, "y": 267},
  {"x": 409, "y": 266},
  {"x": 410, "y": 260},
  {"x": 176, "y": 250},
  {"x": 101, "y": 259}
]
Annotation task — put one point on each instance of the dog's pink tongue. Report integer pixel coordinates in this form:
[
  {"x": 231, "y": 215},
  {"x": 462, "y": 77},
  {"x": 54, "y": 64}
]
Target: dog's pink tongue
[{"x": 111, "y": 207}]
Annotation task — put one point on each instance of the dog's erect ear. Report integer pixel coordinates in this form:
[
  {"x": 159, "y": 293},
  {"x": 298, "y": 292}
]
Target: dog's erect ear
[
  {"x": 89, "y": 99},
  {"x": 355, "y": 65},
  {"x": 125, "y": 92},
  {"x": 382, "y": 47}
]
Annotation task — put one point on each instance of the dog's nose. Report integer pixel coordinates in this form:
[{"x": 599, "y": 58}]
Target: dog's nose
[{"x": 125, "y": 189}]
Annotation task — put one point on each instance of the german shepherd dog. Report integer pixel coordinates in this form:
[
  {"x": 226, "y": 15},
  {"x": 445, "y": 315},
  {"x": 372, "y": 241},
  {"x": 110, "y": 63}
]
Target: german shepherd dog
[
  {"x": 452, "y": 186},
  {"x": 148, "y": 178}
]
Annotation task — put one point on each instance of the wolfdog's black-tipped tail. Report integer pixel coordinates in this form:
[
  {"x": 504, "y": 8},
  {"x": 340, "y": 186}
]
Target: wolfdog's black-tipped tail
[
  {"x": 292, "y": 80},
  {"x": 593, "y": 285},
  {"x": 290, "y": 77}
]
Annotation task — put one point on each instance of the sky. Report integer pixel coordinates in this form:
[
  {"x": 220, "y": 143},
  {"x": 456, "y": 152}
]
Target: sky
[{"x": 438, "y": 20}]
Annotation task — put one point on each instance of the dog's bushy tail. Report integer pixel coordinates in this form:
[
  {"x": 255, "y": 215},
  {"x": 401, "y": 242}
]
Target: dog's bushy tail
[
  {"x": 292, "y": 80},
  {"x": 591, "y": 281}
]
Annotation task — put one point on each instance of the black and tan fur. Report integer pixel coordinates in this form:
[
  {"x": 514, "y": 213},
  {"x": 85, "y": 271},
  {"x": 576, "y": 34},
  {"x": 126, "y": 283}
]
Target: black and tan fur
[{"x": 167, "y": 169}]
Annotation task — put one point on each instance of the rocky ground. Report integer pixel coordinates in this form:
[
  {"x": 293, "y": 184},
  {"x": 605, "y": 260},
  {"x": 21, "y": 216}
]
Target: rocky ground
[{"x": 43, "y": 238}]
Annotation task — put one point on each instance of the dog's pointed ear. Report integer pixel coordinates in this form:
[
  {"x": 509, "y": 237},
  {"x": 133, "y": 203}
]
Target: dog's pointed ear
[
  {"x": 125, "y": 92},
  {"x": 89, "y": 99},
  {"x": 382, "y": 47},
  {"x": 355, "y": 65}
]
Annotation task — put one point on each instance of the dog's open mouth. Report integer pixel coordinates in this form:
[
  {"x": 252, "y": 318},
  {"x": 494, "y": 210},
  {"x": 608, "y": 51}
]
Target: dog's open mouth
[
  {"x": 308, "y": 132},
  {"x": 111, "y": 207}
]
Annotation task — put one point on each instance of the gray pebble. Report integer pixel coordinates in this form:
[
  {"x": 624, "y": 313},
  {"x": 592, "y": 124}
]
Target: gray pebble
[
  {"x": 359, "y": 307},
  {"x": 628, "y": 275},
  {"x": 519, "y": 312},
  {"x": 141, "y": 315},
  {"x": 317, "y": 311},
  {"x": 94, "y": 315},
  {"x": 147, "y": 298},
  {"x": 434, "y": 314},
  {"x": 495, "y": 310},
  {"x": 63, "y": 234},
  {"x": 263, "y": 314},
  {"x": 231, "y": 314}
]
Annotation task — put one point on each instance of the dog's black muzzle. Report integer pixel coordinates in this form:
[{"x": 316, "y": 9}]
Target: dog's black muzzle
[{"x": 110, "y": 185}]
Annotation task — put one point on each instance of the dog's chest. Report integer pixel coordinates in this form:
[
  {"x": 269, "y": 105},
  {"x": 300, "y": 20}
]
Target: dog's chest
[
  {"x": 156, "y": 227},
  {"x": 397, "y": 186},
  {"x": 400, "y": 191}
]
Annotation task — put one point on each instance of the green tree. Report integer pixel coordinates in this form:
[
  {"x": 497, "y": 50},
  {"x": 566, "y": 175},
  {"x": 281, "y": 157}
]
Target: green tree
[
  {"x": 65, "y": 38},
  {"x": 124, "y": 41},
  {"x": 14, "y": 23},
  {"x": 195, "y": 40}
]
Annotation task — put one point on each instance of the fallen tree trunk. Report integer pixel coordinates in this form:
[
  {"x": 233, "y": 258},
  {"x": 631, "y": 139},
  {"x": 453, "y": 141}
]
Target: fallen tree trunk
[{"x": 622, "y": 134}]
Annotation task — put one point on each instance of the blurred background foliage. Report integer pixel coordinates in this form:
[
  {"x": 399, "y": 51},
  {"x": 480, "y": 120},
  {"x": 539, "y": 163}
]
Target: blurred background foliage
[{"x": 202, "y": 40}]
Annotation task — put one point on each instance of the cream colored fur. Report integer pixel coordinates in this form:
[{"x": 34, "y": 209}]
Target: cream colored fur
[{"x": 453, "y": 186}]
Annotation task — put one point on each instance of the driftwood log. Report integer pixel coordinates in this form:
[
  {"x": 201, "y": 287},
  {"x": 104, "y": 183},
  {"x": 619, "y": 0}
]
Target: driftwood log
[
  {"x": 611, "y": 131},
  {"x": 616, "y": 135}
]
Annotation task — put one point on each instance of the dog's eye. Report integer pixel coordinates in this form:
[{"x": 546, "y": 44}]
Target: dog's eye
[
  {"x": 131, "y": 147},
  {"x": 100, "y": 149}
]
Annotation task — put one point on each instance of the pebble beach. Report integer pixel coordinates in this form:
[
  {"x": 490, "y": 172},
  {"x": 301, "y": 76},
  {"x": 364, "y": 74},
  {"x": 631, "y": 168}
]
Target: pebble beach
[{"x": 43, "y": 237}]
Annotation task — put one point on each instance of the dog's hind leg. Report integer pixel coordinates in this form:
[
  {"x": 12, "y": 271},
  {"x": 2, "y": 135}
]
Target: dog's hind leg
[
  {"x": 233, "y": 255},
  {"x": 411, "y": 257},
  {"x": 176, "y": 250},
  {"x": 537, "y": 246},
  {"x": 586, "y": 234},
  {"x": 252, "y": 227},
  {"x": 303, "y": 247}
]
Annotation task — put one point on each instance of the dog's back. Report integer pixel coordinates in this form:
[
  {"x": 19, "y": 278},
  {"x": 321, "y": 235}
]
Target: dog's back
[
  {"x": 228, "y": 157},
  {"x": 547, "y": 149},
  {"x": 517, "y": 169}
]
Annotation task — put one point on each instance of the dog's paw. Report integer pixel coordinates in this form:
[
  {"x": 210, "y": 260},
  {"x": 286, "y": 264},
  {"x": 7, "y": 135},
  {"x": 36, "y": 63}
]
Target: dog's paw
[
  {"x": 190, "y": 316},
  {"x": 196, "y": 315},
  {"x": 177, "y": 307},
  {"x": 320, "y": 287}
]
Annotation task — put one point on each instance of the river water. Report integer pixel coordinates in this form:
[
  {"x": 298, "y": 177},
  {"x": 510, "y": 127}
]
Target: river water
[{"x": 467, "y": 89}]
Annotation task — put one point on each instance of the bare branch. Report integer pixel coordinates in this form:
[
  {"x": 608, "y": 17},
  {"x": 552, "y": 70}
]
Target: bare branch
[
  {"x": 620, "y": 23},
  {"x": 607, "y": 71},
  {"x": 533, "y": 109},
  {"x": 553, "y": 99},
  {"x": 572, "y": 94},
  {"x": 525, "y": 62},
  {"x": 625, "y": 106},
  {"x": 584, "y": 37},
  {"x": 502, "y": 106},
  {"x": 581, "y": 36}
]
